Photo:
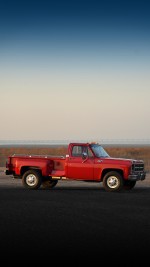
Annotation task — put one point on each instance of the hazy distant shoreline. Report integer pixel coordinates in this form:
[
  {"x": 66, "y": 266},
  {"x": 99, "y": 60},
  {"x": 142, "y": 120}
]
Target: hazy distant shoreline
[
  {"x": 51, "y": 142},
  {"x": 26, "y": 145}
]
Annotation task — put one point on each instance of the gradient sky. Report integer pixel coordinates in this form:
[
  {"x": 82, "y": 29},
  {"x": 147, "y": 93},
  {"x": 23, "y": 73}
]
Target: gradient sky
[{"x": 74, "y": 70}]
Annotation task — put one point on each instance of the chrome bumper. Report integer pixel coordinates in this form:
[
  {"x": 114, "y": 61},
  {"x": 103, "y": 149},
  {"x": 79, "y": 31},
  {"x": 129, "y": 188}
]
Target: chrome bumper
[{"x": 137, "y": 176}]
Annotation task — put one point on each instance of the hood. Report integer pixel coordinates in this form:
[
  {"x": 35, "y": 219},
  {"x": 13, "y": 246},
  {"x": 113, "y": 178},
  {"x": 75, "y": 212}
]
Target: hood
[{"x": 121, "y": 161}]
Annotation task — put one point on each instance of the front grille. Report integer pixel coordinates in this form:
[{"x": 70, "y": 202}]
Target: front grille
[{"x": 136, "y": 167}]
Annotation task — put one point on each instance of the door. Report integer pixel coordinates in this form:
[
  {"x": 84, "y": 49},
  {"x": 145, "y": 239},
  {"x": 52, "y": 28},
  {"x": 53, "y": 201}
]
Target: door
[{"x": 79, "y": 168}]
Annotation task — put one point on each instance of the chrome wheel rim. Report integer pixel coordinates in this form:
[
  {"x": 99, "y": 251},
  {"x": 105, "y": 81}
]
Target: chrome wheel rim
[
  {"x": 31, "y": 180},
  {"x": 112, "y": 182}
]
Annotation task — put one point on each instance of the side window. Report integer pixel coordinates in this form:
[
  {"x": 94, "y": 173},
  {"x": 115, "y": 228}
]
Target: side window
[{"x": 77, "y": 151}]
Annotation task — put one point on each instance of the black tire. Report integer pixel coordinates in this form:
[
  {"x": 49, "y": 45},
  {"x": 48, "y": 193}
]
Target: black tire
[
  {"x": 31, "y": 179},
  {"x": 49, "y": 183},
  {"x": 113, "y": 181},
  {"x": 128, "y": 185}
]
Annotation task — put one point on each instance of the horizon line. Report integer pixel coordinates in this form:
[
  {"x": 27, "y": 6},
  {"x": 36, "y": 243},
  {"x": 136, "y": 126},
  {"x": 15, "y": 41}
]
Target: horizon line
[{"x": 66, "y": 141}]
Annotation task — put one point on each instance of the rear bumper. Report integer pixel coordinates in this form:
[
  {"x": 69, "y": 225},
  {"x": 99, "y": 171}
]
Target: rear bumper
[
  {"x": 7, "y": 172},
  {"x": 137, "y": 176}
]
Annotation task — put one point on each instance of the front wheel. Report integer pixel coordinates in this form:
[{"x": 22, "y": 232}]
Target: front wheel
[
  {"x": 113, "y": 181},
  {"x": 32, "y": 179}
]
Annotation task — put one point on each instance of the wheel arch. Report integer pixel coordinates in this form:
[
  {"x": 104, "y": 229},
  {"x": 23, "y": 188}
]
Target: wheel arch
[
  {"x": 27, "y": 168},
  {"x": 105, "y": 171}
]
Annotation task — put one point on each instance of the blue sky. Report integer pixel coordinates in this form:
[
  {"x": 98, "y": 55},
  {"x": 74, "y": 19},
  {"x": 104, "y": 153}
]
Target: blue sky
[{"x": 74, "y": 70}]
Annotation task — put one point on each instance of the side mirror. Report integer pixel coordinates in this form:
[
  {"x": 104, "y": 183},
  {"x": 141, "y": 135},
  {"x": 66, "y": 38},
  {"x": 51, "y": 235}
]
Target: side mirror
[{"x": 84, "y": 155}]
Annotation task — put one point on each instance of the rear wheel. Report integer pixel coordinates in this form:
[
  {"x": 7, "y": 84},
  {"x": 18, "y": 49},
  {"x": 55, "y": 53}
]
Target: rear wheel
[
  {"x": 49, "y": 183},
  {"x": 128, "y": 185},
  {"x": 32, "y": 179},
  {"x": 113, "y": 181}
]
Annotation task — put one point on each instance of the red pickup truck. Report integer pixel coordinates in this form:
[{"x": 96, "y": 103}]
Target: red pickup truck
[{"x": 85, "y": 161}]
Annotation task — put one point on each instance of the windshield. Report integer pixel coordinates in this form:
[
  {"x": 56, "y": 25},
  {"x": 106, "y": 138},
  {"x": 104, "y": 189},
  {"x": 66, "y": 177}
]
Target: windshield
[{"x": 99, "y": 151}]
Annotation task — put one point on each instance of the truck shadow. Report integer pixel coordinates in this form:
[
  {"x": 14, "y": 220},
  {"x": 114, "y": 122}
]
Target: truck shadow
[{"x": 136, "y": 190}]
